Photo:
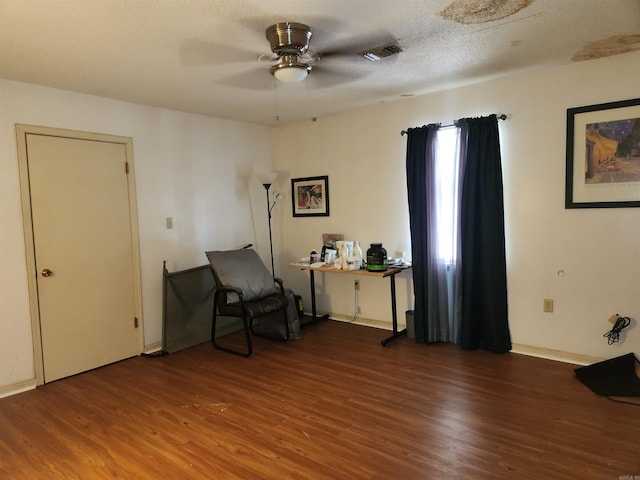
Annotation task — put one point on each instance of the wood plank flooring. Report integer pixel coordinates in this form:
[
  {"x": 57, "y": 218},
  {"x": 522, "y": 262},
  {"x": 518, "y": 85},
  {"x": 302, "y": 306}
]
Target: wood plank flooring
[{"x": 334, "y": 405}]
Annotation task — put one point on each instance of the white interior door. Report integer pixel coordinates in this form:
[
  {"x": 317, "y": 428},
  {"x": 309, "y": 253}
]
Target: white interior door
[{"x": 84, "y": 259}]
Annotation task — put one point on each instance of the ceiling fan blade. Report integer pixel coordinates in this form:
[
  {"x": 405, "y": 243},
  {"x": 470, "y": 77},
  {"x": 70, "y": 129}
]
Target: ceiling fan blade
[
  {"x": 323, "y": 76},
  {"x": 196, "y": 53},
  {"x": 355, "y": 46},
  {"x": 268, "y": 57},
  {"x": 256, "y": 79},
  {"x": 310, "y": 58}
]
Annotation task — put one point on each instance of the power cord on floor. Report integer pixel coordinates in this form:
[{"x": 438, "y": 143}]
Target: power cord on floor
[
  {"x": 613, "y": 335},
  {"x": 356, "y": 307}
]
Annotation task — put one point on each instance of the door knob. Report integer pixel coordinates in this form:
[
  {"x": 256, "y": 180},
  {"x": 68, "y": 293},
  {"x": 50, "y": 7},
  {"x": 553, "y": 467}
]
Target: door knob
[{"x": 46, "y": 272}]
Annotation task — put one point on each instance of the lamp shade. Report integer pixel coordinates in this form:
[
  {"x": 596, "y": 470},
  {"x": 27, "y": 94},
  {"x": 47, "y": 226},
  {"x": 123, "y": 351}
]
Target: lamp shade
[{"x": 266, "y": 178}]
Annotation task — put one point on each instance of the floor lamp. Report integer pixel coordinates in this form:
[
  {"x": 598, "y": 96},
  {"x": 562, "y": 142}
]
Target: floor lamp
[{"x": 267, "y": 178}]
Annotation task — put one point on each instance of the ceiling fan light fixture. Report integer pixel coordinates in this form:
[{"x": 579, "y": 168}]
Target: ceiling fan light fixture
[
  {"x": 289, "y": 70},
  {"x": 291, "y": 74}
]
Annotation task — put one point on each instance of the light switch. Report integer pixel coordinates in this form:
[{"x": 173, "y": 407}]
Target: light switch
[{"x": 169, "y": 223}]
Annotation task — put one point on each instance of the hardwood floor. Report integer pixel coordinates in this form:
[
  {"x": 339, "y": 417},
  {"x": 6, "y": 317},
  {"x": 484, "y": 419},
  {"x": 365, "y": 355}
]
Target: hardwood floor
[{"x": 335, "y": 405}]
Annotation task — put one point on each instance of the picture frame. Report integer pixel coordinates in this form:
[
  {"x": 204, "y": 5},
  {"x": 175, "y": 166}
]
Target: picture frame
[
  {"x": 603, "y": 155},
  {"x": 310, "y": 196}
]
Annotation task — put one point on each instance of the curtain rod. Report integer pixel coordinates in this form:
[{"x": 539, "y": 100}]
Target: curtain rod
[{"x": 502, "y": 116}]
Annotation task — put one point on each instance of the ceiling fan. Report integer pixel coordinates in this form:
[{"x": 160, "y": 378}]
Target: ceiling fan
[
  {"x": 291, "y": 59},
  {"x": 289, "y": 43}
]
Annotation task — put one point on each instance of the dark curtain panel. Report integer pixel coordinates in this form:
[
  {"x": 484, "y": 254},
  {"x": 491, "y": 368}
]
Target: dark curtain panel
[
  {"x": 431, "y": 316},
  {"x": 484, "y": 313}
]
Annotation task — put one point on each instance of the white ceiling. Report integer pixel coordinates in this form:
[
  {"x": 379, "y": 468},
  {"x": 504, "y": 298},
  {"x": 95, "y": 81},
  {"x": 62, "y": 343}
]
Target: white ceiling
[{"x": 201, "y": 56}]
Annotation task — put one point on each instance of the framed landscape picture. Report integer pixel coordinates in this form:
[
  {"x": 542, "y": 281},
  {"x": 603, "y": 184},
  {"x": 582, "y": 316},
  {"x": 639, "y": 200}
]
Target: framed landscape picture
[
  {"x": 310, "y": 196},
  {"x": 603, "y": 155}
]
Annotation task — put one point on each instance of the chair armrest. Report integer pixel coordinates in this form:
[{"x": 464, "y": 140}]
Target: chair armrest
[
  {"x": 230, "y": 289},
  {"x": 224, "y": 290},
  {"x": 280, "y": 284}
]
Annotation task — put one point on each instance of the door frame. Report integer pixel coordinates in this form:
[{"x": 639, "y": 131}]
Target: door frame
[{"x": 22, "y": 130}]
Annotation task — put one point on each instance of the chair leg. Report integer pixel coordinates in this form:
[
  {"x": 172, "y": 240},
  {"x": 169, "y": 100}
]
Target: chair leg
[
  {"x": 247, "y": 335},
  {"x": 286, "y": 325}
]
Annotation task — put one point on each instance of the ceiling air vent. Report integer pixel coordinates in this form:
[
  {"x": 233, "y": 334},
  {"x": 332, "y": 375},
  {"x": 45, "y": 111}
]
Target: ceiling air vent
[{"x": 378, "y": 53}]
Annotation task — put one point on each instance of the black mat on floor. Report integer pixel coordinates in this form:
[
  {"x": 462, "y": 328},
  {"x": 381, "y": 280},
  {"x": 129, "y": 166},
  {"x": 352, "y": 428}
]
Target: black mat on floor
[{"x": 614, "y": 378}]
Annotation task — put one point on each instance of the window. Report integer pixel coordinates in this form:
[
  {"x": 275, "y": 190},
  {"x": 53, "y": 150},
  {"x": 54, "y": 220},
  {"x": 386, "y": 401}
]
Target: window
[{"x": 446, "y": 173}]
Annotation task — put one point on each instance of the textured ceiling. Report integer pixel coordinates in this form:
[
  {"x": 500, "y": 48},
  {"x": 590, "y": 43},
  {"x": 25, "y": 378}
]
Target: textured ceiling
[{"x": 211, "y": 56}]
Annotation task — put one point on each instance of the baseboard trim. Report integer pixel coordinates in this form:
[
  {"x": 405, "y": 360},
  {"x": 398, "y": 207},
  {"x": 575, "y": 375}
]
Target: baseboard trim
[
  {"x": 19, "y": 387},
  {"x": 366, "y": 322},
  {"x": 558, "y": 355},
  {"x": 521, "y": 349},
  {"x": 153, "y": 347}
]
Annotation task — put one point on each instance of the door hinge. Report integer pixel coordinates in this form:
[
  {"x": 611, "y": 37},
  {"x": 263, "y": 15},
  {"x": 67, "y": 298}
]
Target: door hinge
[
  {"x": 135, "y": 322},
  {"x": 126, "y": 168}
]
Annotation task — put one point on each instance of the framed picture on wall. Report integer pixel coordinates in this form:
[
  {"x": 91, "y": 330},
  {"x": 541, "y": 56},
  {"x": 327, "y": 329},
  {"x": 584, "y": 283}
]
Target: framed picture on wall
[
  {"x": 603, "y": 155},
  {"x": 310, "y": 196}
]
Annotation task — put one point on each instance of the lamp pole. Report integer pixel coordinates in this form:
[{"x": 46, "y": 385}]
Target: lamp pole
[{"x": 267, "y": 186}]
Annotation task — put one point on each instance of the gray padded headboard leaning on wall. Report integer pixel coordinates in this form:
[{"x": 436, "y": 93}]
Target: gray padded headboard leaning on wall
[{"x": 187, "y": 303}]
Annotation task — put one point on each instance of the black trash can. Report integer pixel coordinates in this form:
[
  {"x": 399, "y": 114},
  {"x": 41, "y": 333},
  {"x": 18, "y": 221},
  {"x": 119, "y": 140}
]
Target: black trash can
[{"x": 411, "y": 330}]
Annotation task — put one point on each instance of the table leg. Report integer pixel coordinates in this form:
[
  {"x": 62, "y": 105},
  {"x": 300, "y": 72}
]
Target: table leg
[
  {"x": 313, "y": 294},
  {"x": 394, "y": 315},
  {"x": 314, "y": 314}
]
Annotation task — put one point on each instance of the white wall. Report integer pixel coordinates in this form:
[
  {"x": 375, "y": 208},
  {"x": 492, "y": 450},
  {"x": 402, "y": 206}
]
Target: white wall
[
  {"x": 364, "y": 155},
  {"x": 195, "y": 169}
]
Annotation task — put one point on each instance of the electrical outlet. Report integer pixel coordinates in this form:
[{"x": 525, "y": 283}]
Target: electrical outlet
[
  {"x": 547, "y": 305},
  {"x": 356, "y": 284}
]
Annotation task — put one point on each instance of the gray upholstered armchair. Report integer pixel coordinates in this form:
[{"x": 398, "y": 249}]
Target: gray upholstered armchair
[{"x": 245, "y": 289}]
